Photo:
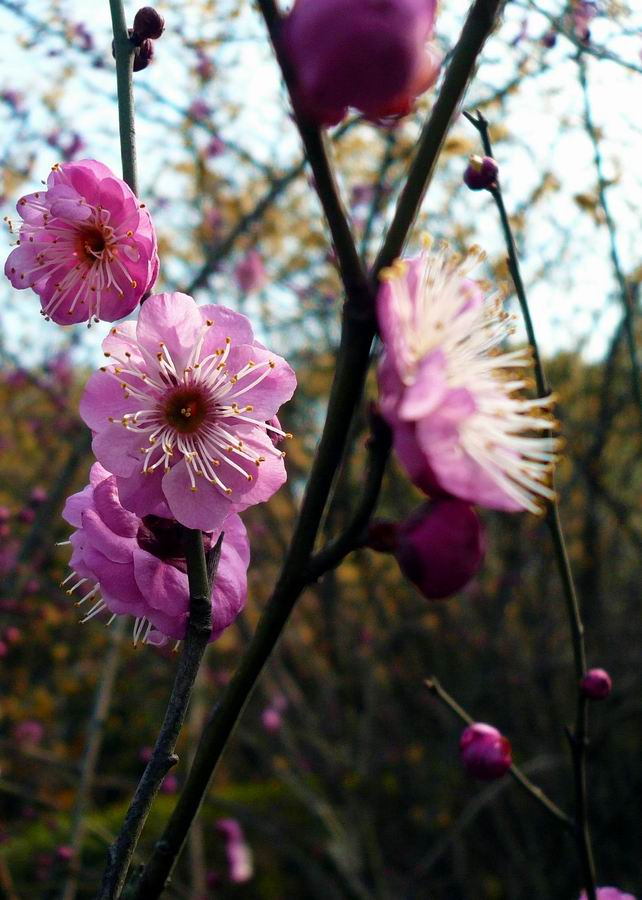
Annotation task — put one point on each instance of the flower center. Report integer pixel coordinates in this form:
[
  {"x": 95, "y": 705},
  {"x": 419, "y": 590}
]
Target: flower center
[
  {"x": 163, "y": 538},
  {"x": 185, "y": 409},
  {"x": 92, "y": 243}
]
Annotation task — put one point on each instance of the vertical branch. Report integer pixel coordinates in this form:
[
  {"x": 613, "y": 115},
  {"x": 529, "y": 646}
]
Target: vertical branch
[
  {"x": 124, "y": 51},
  {"x": 351, "y": 369},
  {"x": 95, "y": 734},
  {"x": 579, "y": 737},
  {"x": 199, "y": 629}
]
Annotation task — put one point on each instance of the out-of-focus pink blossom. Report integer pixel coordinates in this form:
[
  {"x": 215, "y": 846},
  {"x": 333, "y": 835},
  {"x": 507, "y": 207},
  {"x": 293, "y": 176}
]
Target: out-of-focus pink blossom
[
  {"x": 170, "y": 784},
  {"x": 596, "y": 684},
  {"x": 460, "y": 425},
  {"x": 373, "y": 56},
  {"x": 609, "y": 893},
  {"x": 87, "y": 247},
  {"x": 64, "y": 853},
  {"x": 239, "y": 854},
  {"x": 12, "y": 634},
  {"x": 137, "y": 567},
  {"x": 583, "y": 13},
  {"x": 38, "y": 495},
  {"x": 250, "y": 272},
  {"x": 3, "y": 649},
  {"x": 28, "y": 733},
  {"x": 180, "y": 415},
  {"x": 199, "y": 110},
  {"x": 271, "y": 719},
  {"x": 485, "y": 753},
  {"x": 215, "y": 147}
]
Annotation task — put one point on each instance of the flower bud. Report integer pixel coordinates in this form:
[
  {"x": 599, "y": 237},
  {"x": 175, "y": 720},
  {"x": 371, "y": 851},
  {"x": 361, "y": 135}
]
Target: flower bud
[
  {"x": 549, "y": 39},
  {"x": 440, "y": 547},
  {"x": 481, "y": 173},
  {"x": 485, "y": 753},
  {"x": 148, "y": 24},
  {"x": 143, "y": 55},
  {"x": 596, "y": 684}
]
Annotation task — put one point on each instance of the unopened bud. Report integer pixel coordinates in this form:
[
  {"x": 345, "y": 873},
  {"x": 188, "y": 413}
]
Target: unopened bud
[
  {"x": 143, "y": 55},
  {"x": 485, "y": 752},
  {"x": 596, "y": 684},
  {"x": 440, "y": 547},
  {"x": 148, "y": 24},
  {"x": 481, "y": 173}
]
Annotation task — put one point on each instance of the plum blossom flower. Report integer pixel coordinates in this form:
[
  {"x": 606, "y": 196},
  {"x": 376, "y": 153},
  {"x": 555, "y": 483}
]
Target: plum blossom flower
[
  {"x": 368, "y": 54},
  {"x": 239, "y": 854},
  {"x": 250, "y": 272},
  {"x": 460, "y": 425},
  {"x": 132, "y": 566},
  {"x": 86, "y": 246},
  {"x": 485, "y": 753},
  {"x": 182, "y": 414}
]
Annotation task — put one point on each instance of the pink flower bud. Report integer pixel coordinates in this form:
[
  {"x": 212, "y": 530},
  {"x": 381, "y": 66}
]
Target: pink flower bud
[
  {"x": 148, "y": 23},
  {"x": 485, "y": 753},
  {"x": 596, "y": 684},
  {"x": 441, "y": 547},
  {"x": 368, "y": 54},
  {"x": 64, "y": 853},
  {"x": 481, "y": 173},
  {"x": 239, "y": 854}
]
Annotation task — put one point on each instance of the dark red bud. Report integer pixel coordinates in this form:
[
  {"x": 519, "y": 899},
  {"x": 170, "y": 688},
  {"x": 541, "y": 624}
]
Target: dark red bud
[
  {"x": 148, "y": 24},
  {"x": 382, "y": 536},
  {"x": 143, "y": 55},
  {"x": 481, "y": 173},
  {"x": 596, "y": 684}
]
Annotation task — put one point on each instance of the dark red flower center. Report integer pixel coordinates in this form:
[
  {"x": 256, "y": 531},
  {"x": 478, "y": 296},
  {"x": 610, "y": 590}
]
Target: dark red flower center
[
  {"x": 185, "y": 409},
  {"x": 163, "y": 538},
  {"x": 92, "y": 243}
]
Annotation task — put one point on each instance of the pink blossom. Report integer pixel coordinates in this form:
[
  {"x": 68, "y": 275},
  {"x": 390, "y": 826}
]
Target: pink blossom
[
  {"x": 460, "y": 425},
  {"x": 485, "y": 753},
  {"x": 28, "y": 733},
  {"x": 271, "y": 719},
  {"x": 609, "y": 893},
  {"x": 250, "y": 272},
  {"x": 86, "y": 246},
  {"x": 167, "y": 416},
  {"x": 239, "y": 855},
  {"x": 132, "y": 566},
  {"x": 368, "y": 54}
]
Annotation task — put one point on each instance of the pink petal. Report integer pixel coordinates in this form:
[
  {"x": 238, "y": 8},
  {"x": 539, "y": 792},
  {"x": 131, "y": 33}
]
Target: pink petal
[
  {"x": 108, "y": 507},
  {"x": 143, "y": 494},
  {"x": 98, "y": 535},
  {"x": 103, "y": 399},
  {"x": 118, "y": 450},
  {"x": 173, "y": 320},
  {"x": 206, "y": 508}
]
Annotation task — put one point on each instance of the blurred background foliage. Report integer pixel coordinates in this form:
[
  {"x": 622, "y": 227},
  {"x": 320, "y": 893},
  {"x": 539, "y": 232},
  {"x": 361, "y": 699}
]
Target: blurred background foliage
[{"x": 343, "y": 772}]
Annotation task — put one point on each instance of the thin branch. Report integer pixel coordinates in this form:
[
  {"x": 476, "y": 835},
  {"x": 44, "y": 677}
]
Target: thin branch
[
  {"x": 579, "y": 737},
  {"x": 522, "y": 780},
  {"x": 351, "y": 368},
  {"x": 199, "y": 630},
  {"x": 124, "y": 50},
  {"x": 95, "y": 733},
  {"x": 627, "y": 295}
]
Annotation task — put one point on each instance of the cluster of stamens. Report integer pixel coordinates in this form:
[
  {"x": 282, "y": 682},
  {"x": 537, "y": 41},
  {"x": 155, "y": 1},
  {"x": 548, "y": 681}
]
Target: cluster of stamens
[
  {"x": 501, "y": 434},
  {"x": 192, "y": 412}
]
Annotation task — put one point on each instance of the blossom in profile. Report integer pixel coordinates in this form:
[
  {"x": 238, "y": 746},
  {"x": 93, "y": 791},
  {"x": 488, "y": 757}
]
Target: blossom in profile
[
  {"x": 131, "y": 566},
  {"x": 372, "y": 55},
  {"x": 609, "y": 893},
  {"x": 237, "y": 850},
  {"x": 485, "y": 753},
  {"x": 181, "y": 414},
  {"x": 86, "y": 246},
  {"x": 460, "y": 423}
]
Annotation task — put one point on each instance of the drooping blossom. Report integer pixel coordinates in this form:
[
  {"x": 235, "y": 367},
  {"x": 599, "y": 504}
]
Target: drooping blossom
[
  {"x": 132, "y": 566},
  {"x": 440, "y": 547},
  {"x": 250, "y": 272},
  {"x": 372, "y": 55},
  {"x": 596, "y": 684},
  {"x": 609, "y": 893},
  {"x": 238, "y": 852},
  {"x": 485, "y": 752},
  {"x": 460, "y": 423},
  {"x": 86, "y": 246},
  {"x": 181, "y": 414}
]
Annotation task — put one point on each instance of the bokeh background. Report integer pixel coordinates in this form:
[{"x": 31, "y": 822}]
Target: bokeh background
[{"x": 343, "y": 773}]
